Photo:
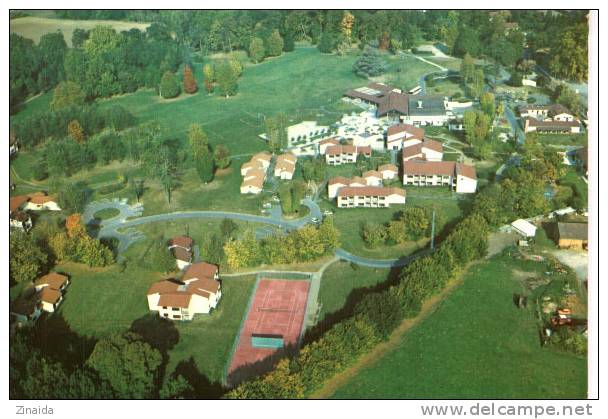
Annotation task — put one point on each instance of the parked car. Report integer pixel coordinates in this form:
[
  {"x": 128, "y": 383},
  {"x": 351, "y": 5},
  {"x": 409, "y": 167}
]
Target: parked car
[
  {"x": 328, "y": 212},
  {"x": 314, "y": 220}
]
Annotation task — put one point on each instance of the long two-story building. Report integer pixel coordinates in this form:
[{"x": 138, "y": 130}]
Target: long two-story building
[
  {"x": 460, "y": 177},
  {"x": 369, "y": 197}
]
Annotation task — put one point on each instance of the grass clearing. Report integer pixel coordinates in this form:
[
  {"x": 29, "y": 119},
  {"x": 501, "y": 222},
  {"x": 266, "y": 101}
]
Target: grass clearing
[
  {"x": 404, "y": 71},
  {"x": 340, "y": 280},
  {"x": 477, "y": 344},
  {"x": 106, "y": 213},
  {"x": 101, "y": 301}
]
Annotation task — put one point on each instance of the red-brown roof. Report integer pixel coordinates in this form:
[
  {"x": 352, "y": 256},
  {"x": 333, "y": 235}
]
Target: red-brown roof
[
  {"x": 181, "y": 241},
  {"x": 416, "y": 149},
  {"x": 181, "y": 300},
  {"x": 334, "y": 141},
  {"x": 165, "y": 286},
  {"x": 394, "y": 102},
  {"x": 369, "y": 191},
  {"x": 388, "y": 166},
  {"x": 204, "y": 286},
  {"x": 40, "y": 198},
  {"x": 49, "y": 295},
  {"x": 466, "y": 170},
  {"x": 339, "y": 180},
  {"x": 533, "y": 122},
  {"x": 52, "y": 280},
  {"x": 200, "y": 270},
  {"x": 17, "y": 201},
  {"x": 421, "y": 167},
  {"x": 415, "y": 131},
  {"x": 372, "y": 173},
  {"x": 182, "y": 254}
]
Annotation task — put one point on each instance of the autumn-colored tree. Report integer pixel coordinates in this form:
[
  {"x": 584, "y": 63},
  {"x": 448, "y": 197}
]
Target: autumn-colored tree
[
  {"x": 189, "y": 82},
  {"x": 346, "y": 26},
  {"x": 384, "y": 41},
  {"x": 75, "y": 131},
  {"x": 73, "y": 225}
]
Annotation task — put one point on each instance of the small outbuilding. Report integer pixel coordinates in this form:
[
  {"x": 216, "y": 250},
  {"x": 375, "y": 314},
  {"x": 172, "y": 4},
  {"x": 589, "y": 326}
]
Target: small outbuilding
[
  {"x": 572, "y": 235},
  {"x": 523, "y": 227}
]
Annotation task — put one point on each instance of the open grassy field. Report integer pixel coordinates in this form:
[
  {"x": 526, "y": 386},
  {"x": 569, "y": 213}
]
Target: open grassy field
[
  {"x": 101, "y": 301},
  {"x": 33, "y": 27},
  {"x": 404, "y": 71},
  {"x": 448, "y": 87},
  {"x": 340, "y": 279},
  {"x": 265, "y": 89},
  {"x": 477, "y": 344}
]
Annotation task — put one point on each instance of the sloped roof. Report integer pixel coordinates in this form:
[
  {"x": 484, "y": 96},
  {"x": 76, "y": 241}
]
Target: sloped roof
[
  {"x": 349, "y": 191},
  {"x": 421, "y": 167},
  {"x": 40, "y": 198},
  {"x": 411, "y": 129},
  {"x": 200, "y": 270},
  {"x": 53, "y": 280},
  {"x": 17, "y": 201},
  {"x": 466, "y": 170},
  {"x": 181, "y": 300},
  {"x": 181, "y": 241},
  {"x": 573, "y": 231},
  {"x": 394, "y": 102},
  {"x": 49, "y": 295},
  {"x": 372, "y": 173},
  {"x": 388, "y": 166},
  {"x": 182, "y": 254}
]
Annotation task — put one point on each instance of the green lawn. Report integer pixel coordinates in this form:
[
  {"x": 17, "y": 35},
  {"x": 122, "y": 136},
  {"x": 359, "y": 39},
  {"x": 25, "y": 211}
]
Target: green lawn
[
  {"x": 298, "y": 84},
  {"x": 564, "y": 139},
  {"x": 477, "y": 344},
  {"x": 106, "y": 213},
  {"x": 340, "y": 279},
  {"x": 447, "y": 87},
  {"x": 103, "y": 301},
  {"x": 404, "y": 71}
]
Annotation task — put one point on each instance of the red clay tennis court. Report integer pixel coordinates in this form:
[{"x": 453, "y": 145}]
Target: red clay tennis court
[{"x": 276, "y": 314}]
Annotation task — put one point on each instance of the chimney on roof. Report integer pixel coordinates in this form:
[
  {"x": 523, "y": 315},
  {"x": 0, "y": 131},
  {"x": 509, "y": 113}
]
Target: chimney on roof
[{"x": 419, "y": 104}]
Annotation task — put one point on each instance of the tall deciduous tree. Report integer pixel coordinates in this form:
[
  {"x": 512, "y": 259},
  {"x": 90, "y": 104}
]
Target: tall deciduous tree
[
  {"x": 27, "y": 259},
  {"x": 226, "y": 79},
  {"x": 129, "y": 364},
  {"x": 256, "y": 50},
  {"x": 274, "y": 44},
  {"x": 67, "y": 94}
]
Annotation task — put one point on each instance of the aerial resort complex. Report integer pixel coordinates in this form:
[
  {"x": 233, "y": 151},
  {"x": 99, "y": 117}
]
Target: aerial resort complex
[{"x": 300, "y": 204}]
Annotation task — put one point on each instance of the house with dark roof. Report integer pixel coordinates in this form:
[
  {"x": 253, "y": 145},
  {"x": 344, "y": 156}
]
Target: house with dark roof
[
  {"x": 198, "y": 291},
  {"x": 392, "y": 103},
  {"x": 554, "y": 118},
  {"x": 572, "y": 235}
]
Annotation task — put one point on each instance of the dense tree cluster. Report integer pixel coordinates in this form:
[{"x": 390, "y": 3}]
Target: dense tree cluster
[
  {"x": 306, "y": 244},
  {"x": 291, "y": 195},
  {"x": 412, "y": 223},
  {"x": 38, "y": 127}
]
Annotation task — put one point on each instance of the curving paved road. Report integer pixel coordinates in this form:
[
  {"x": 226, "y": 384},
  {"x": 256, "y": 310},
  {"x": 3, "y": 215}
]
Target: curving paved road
[{"x": 109, "y": 228}]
